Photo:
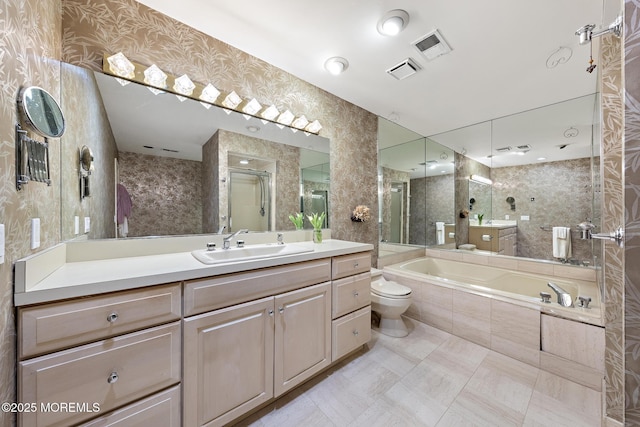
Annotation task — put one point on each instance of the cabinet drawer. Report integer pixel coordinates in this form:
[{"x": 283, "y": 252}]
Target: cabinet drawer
[
  {"x": 351, "y": 293},
  {"x": 209, "y": 294},
  {"x": 350, "y": 331},
  {"x": 347, "y": 265},
  {"x": 162, "y": 409},
  {"x": 60, "y": 325},
  {"x": 109, "y": 373}
]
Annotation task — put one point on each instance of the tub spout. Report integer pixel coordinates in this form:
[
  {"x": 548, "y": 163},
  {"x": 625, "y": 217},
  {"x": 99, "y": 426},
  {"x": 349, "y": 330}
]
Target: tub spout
[{"x": 564, "y": 298}]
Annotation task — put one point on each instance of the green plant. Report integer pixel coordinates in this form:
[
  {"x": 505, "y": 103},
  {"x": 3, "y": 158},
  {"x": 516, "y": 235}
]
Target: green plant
[
  {"x": 316, "y": 220},
  {"x": 480, "y": 216},
  {"x": 297, "y": 220}
]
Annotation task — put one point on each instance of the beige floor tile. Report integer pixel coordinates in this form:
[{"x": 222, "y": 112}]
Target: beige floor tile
[
  {"x": 293, "y": 410},
  {"x": 560, "y": 402},
  {"x": 421, "y": 341},
  {"x": 500, "y": 390}
]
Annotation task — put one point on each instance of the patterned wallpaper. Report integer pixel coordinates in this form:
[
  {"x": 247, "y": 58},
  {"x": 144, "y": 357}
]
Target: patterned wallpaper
[
  {"x": 29, "y": 45},
  {"x": 631, "y": 179},
  {"x": 166, "y": 194},
  {"x": 613, "y": 204}
]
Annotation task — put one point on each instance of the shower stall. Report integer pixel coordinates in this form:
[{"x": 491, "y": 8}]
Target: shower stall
[{"x": 249, "y": 200}]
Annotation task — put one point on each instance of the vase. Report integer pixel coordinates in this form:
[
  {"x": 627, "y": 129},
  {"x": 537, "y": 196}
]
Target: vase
[{"x": 317, "y": 235}]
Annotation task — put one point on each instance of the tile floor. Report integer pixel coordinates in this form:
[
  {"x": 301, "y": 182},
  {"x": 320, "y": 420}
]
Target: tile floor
[{"x": 432, "y": 378}]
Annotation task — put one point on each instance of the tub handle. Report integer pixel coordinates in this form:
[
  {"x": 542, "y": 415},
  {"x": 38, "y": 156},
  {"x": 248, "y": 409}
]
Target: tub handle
[
  {"x": 584, "y": 301},
  {"x": 545, "y": 297}
]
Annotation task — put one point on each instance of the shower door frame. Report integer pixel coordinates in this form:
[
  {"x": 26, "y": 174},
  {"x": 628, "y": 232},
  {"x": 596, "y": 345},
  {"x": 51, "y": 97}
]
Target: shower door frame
[{"x": 269, "y": 189}]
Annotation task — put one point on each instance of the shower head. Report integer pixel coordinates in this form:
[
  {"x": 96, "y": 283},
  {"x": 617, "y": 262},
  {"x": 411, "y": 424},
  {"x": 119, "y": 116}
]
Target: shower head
[{"x": 586, "y": 33}]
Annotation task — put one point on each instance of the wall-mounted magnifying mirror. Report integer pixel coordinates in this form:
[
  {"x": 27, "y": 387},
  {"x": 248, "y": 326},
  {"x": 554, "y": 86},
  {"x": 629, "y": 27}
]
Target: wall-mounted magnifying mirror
[
  {"x": 42, "y": 115},
  {"x": 86, "y": 167},
  {"x": 42, "y": 112}
]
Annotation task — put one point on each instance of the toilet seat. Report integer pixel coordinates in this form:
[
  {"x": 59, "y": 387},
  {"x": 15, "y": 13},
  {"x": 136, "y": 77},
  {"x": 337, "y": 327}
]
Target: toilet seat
[{"x": 388, "y": 289}]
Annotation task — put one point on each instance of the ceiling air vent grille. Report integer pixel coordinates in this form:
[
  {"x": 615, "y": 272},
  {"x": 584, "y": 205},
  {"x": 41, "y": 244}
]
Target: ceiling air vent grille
[
  {"x": 406, "y": 68},
  {"x": 432, "y": 45},
  {"x": 503, "y": 149}
]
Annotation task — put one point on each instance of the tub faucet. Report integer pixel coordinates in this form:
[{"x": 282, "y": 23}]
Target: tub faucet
[
  {"x": 226, "y": 242},
  {"x": 564, "y": 298}
]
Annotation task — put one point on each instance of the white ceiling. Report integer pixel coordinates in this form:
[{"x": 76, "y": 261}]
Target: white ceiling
[{"x": 498, "y": 65}]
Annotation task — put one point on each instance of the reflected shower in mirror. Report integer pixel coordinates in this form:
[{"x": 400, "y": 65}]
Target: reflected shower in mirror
[
  {"x": 173, "y": 155},
  {"x": 416, "y": 190}
]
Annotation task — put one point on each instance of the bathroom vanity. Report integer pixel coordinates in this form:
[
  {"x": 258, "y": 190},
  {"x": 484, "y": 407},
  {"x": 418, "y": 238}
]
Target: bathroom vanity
[
  {"x": 163, "y": 339},
  {"x": 499, "y": 238}
]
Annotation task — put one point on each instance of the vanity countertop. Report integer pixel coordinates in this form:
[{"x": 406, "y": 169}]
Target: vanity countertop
[
  {"x": 51, "y": 275},
  {"x": 498, "y": 226}
]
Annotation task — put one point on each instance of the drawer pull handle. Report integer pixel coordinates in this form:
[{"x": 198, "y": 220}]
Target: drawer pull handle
[
  {"x": 355, "y": 332},
  {"x": 355, "y": 294},
  {"x": 112, "y": 317},
  {"x": 112, "y": 378}
]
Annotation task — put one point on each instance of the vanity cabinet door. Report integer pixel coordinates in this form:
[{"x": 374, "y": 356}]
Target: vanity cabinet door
[
  {"x": 228, "y": 362},
  {"x": 303, "y": 335}
]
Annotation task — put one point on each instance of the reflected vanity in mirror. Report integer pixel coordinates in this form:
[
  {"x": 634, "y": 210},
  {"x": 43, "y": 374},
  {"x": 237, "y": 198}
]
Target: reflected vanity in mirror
[
  {"x": 42, "y": 115},
  {"x": 179, "y": 161},
  {"x": 541, "y": 169}
]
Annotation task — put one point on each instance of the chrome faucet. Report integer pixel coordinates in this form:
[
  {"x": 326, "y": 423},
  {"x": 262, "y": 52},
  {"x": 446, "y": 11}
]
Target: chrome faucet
[
  {"x": 564, "y": 297},
  {"x": 226, "y": 242}
]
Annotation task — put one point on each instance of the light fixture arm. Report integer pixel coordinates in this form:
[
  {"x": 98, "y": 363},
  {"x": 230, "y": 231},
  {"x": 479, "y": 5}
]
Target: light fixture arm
[{"x": 586, "y": 33}]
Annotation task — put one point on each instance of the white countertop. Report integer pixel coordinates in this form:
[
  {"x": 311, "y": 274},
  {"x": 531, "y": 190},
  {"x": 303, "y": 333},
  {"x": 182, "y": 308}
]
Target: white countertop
[{"x": 94, "y": 276}]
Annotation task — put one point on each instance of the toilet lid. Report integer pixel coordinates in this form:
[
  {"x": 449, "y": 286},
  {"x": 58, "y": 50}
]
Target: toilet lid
[{"x": 391, "y": 289}]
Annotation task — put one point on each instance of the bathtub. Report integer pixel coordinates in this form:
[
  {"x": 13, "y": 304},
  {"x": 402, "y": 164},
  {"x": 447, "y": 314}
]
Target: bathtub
[{"x": 517, "y": 287}]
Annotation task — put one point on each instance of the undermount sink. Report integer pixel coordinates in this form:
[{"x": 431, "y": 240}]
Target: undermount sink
[{"x": 250, "y": 252}]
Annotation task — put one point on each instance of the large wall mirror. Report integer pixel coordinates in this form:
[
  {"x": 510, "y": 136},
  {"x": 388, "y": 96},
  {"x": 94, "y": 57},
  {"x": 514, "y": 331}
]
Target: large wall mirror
[
  {"x": 415, "y": 191},
  {"x": 518, "y": 177},
  {"x": 166, "y": 165},
  {"x": 528, "y": 173}
]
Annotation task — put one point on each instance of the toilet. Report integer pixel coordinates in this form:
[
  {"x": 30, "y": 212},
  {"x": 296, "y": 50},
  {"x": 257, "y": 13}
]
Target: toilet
[{"x": 390, "y": 300}]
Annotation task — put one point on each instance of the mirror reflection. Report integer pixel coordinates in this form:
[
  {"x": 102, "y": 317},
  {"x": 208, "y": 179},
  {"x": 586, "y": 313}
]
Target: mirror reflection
[
  {"x": 542, "y": 168},
  {"x": 416, "y": 190},
  {"x": 187, "y": 169}
]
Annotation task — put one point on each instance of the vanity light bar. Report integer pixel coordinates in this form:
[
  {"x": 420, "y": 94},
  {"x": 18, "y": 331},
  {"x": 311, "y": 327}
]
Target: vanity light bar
[{"x": 122, "y": 68}]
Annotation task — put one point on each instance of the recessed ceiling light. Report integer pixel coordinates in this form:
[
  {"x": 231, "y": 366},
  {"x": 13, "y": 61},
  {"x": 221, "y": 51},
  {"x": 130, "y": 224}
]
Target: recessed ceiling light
[
  {"x": 252, "y": 128},
  {"x": 336, "y": 65},
  {"x": 393, "y": 22}
]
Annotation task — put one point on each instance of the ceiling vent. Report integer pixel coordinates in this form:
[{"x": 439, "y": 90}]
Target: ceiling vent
[
  {"x": 406, "y": 68},
  {"x": 525, "y": 147},
  {"x": 503, "y": 149},
  {"x": 432, "y": 45}
]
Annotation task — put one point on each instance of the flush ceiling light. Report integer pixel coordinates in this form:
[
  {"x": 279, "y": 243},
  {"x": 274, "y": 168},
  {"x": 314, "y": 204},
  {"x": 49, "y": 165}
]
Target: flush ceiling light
[
  {"x": 393, "y": 22},
  {"x": 336, "y": 65}
]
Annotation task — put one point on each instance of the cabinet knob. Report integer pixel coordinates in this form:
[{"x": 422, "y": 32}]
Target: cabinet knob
[
  {"x": 281, "y": 310},
  {"x": 355, "y": 332},
  {"x": 113, "y": 377},
  {"x": 270, "y": 312},
  {"x": 355, "y": 264},
  {"x": 355, "y": 294},
  {"x": 112, "y": 317}
]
